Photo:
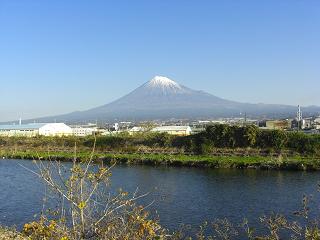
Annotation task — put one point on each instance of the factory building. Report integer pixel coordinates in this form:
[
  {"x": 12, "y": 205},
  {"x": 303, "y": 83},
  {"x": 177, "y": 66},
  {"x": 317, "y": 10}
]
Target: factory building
[
  {"x": 173, "y": 130},
  {"x": 279, "y": 124},
  {"x": 36, "y": 129}
]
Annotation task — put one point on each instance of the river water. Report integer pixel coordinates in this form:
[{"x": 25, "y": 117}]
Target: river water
[{"x": 180, "y": 195}]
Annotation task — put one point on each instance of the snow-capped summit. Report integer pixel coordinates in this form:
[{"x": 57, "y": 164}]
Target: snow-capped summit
[
  {"x": 163, "y": 86},
  {"x": 163, "y": 81}
]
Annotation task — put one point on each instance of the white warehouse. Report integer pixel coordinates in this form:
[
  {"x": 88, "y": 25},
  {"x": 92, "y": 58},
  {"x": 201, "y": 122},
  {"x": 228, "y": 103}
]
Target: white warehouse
[{"x": 35, "y": 129}]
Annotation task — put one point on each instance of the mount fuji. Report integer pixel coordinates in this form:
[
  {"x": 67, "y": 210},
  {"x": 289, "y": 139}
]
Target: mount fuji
[{"x": 163, "y": 98}]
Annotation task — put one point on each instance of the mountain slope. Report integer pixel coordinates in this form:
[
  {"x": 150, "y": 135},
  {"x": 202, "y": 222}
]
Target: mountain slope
[
  {"x": 163, "y": 98},
  {"x": 163, "y": 93}
]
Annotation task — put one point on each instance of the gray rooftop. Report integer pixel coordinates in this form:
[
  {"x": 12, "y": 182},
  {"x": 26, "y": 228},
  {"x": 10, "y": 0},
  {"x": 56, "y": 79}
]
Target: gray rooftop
[
  {"x": 31, "y": 126},
  {"x": 171, "y": 128}
]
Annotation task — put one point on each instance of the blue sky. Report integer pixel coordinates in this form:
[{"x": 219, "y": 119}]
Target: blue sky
[{"x": 61, "y": 56}]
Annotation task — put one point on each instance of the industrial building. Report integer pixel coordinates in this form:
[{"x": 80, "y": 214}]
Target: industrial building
[
  {"x": 279, "y": 124},
  {"x": 173, "y": 130},
  {"x": 317, "y": 123},
  {"x": 36, "y": 129}
]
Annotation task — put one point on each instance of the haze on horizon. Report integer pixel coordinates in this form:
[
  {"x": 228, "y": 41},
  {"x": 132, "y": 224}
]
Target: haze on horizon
[{"x": 57, "y": 57}]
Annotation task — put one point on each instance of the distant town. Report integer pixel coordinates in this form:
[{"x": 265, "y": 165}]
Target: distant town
[{"x": 310, "y": 125}]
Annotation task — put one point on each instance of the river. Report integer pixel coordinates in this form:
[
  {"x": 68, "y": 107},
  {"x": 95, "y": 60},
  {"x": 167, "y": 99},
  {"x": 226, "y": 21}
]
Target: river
[{"x": 180, "y": 195}]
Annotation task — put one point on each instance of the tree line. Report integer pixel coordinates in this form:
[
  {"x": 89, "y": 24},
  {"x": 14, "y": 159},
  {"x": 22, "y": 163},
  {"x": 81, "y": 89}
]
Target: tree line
[
  {"x": 225, "y": 136},
  {"x": 215, "y": 136},
  {"x": 220, "y": 136}
]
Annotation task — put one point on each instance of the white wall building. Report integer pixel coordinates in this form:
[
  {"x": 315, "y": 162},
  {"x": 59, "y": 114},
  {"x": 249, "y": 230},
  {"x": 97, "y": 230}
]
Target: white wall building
[
  {"x": 35, "y": 129},
  {"x": 317, "y": 123},
  {"x": 137, "y": 130},
  {"x": 173, "y": 130},
  {"x": 84, "y": 131}
]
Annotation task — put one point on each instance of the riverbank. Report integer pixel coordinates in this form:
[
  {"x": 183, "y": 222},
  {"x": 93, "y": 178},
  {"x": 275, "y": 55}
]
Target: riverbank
[
  {"x": 219, "y": 146},
  {"x": 206, "y": 161}
]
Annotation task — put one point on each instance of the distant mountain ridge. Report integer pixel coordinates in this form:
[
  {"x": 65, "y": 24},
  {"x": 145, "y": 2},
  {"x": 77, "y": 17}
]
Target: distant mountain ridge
[{"x": 163, "y": 98}]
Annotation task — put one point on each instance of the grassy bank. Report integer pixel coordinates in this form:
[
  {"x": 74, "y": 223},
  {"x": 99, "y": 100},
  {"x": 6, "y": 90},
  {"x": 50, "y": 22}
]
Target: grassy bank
[
  {"x": 9, "y": 234},
  {"x": 241, "y": 162}
]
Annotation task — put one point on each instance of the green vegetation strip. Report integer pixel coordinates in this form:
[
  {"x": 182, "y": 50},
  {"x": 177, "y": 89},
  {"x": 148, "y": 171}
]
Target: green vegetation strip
[{"x": 258, "y": 162}]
